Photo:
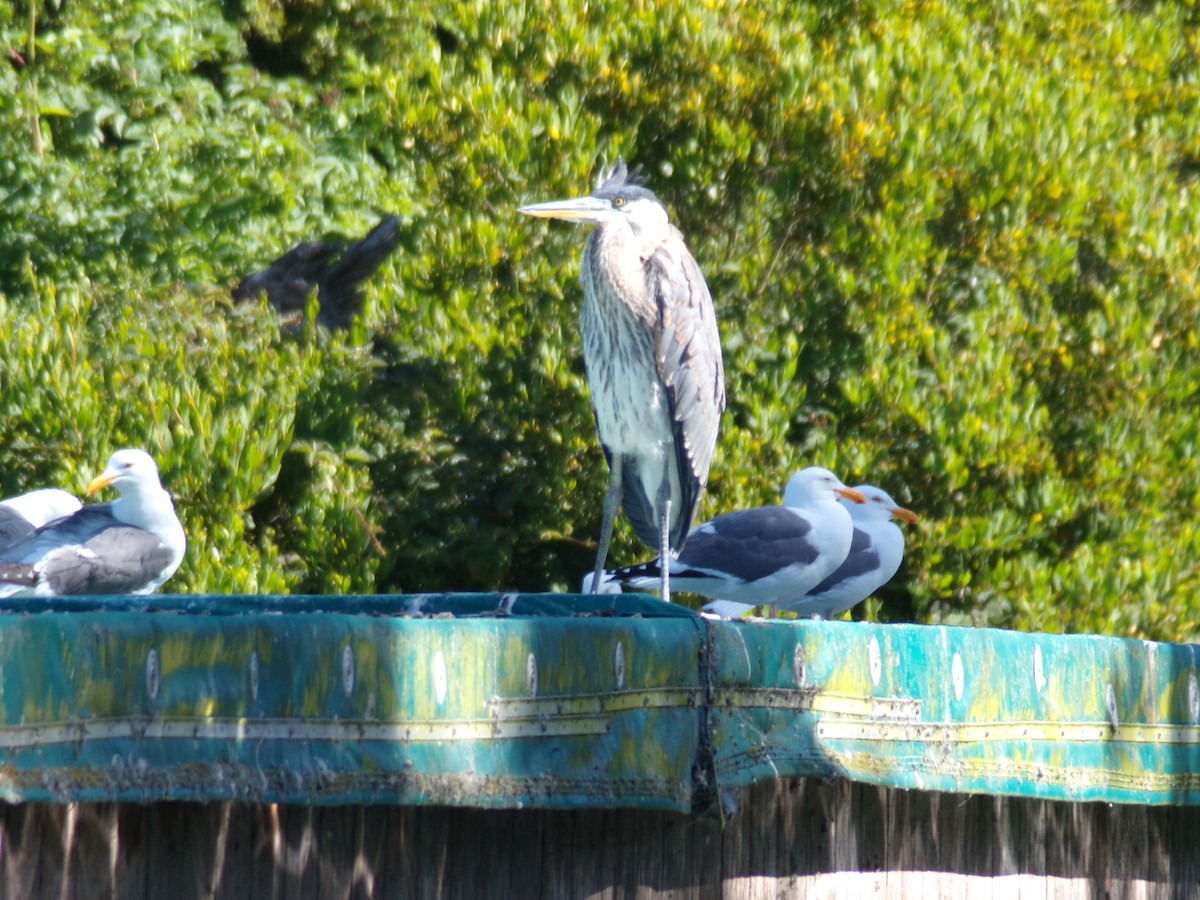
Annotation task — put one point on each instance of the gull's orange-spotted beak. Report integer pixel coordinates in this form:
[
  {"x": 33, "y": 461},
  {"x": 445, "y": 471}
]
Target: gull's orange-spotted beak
[
  {"x": 851, "y": 494},
  {"x": 103, "y": 480}
]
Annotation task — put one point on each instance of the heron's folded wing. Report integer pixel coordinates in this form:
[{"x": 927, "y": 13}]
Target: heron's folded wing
[{"x": 688, "y": 352}]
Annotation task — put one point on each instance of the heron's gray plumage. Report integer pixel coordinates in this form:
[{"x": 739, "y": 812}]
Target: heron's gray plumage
[{"x": 652, "y": 354}]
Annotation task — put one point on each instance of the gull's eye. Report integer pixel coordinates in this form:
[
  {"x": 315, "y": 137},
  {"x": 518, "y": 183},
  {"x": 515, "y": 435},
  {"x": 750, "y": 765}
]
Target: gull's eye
[{"x": 618, "y": 202}]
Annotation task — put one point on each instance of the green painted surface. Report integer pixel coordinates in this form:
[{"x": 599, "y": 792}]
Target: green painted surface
[{"x": 560, "y": 701}]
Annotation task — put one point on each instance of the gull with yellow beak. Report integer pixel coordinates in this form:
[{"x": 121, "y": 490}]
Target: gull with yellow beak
[
  {"x": 130, "y": 545},
  {"x": 765, "y": 555},
  {"x": 876, "y": 552}
]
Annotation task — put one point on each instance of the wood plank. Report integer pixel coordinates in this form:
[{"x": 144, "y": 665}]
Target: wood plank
[{"x": 790, "y": 839}]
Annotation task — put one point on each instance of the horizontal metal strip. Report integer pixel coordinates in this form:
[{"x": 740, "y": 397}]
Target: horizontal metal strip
[
  {"x": 990, "y": 732},
  {"x": 797, "y": 699},
  {"x": 813, "y": 700},
  {"x": 593, "y": 704},
  {"x": 19, "y": 736},
  {"x": 993, "y": 774}
]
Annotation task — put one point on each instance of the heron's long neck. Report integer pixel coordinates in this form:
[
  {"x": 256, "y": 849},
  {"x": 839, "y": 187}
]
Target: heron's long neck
[{"x": 615, "y": 264}]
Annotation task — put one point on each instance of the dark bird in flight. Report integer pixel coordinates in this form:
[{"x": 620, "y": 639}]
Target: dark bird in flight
[{"x": 335, "y": 269}]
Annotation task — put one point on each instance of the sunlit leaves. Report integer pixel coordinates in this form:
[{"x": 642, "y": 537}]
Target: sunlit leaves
[{"x": 953, "y": 251}]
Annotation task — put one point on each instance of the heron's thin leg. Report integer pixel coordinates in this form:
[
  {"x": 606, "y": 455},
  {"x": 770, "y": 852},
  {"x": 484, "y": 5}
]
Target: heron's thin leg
[
  {"x": 612, "y": 500},
  {"x": 664, "y": 542}
]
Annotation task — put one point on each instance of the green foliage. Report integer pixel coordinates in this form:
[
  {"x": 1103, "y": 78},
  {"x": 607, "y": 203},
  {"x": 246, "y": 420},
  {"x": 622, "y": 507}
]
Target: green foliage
[{"x": 953, "y": 251}]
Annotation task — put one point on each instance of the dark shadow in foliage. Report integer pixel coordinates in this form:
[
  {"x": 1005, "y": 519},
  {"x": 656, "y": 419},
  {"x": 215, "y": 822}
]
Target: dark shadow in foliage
[
  {"x": 299, "y": 43},
  {"x": 474, "y": 502},
  {"x": 334, "y": 269},
  {"x": 1073, "y": 387}
]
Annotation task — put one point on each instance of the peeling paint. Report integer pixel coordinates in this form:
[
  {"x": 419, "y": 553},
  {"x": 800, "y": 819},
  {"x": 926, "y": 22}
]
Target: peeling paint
[{"x": 558, "y": 709}]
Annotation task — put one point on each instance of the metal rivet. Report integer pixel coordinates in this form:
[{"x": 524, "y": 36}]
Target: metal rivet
[
  {"x": 152, "y": 674},
  {"x": 254, "y": 675},
  {"x": 531, "y": 675},
  {"x": 1194, "y": 699},
  {"x": 956, "y": 676},
  {"x": 348, "y": 670},
  {"x": 875, "y": 660},
  {"x": 1039, "y": 669},
  {"x": 799, "y": 667},
  {"x": 619, "y": 664},
  {"x": 1110, "y": 701},
  {"x": 440, "y": 682}
]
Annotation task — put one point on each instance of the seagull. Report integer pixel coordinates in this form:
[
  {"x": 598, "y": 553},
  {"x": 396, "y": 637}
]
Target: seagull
[
  {"x": 875, "y": 555},
  {"x": 130, "y": 545},
  {"x": 20, "y": 515},
  {"x": 764, "y": 555}
]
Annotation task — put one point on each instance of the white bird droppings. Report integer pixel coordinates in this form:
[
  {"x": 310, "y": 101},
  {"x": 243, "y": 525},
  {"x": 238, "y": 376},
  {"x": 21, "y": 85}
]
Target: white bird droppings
[
  {"x": 875, "y": 661},
  {"x": 440, "y": 681},
  {"x": 152, "y": 674},
  {"x": 254, "y": 675},
  {"x": 348, "y": 670},
  {"x": 532, "y": 675}
]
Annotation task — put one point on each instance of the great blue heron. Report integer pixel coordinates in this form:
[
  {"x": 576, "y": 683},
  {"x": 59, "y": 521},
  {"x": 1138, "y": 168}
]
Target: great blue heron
[
  {"x": 653, "y": 360},
  {"x": 876, "y": 551},
  {"x": 764, "y": 555}
]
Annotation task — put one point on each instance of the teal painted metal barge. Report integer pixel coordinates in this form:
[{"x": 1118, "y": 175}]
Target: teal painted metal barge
[{"x": 567, "y": 702}]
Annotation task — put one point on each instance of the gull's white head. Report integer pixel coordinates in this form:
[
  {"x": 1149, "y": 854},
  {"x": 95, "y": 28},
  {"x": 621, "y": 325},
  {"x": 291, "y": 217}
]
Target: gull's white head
[
  {"x": 879, "y": 507},
  {"x": 130, "y": 471},
  {"x": 143, "y": 502},
  {"x": 817, "y": 485}
]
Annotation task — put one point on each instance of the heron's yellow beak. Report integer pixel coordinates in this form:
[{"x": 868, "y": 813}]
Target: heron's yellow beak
[
  {"x": 581, "y": 209},
  {"x": 851, "y": 494}
]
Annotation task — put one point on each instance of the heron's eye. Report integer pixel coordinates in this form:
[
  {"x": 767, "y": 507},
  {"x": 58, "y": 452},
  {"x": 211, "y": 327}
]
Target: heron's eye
[{"x": 618, "y": 202}]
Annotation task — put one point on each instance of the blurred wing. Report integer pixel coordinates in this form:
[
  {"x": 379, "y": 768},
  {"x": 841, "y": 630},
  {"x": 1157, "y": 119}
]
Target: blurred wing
[
  {"x": 13, "y": 527},
  {"x": 68, "y": 531},
  {"x": 728, "y": 609}
]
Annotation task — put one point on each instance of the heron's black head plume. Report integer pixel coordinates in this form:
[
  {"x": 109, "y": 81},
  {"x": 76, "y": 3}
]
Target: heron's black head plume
[{"x": 621, "y": 182}]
